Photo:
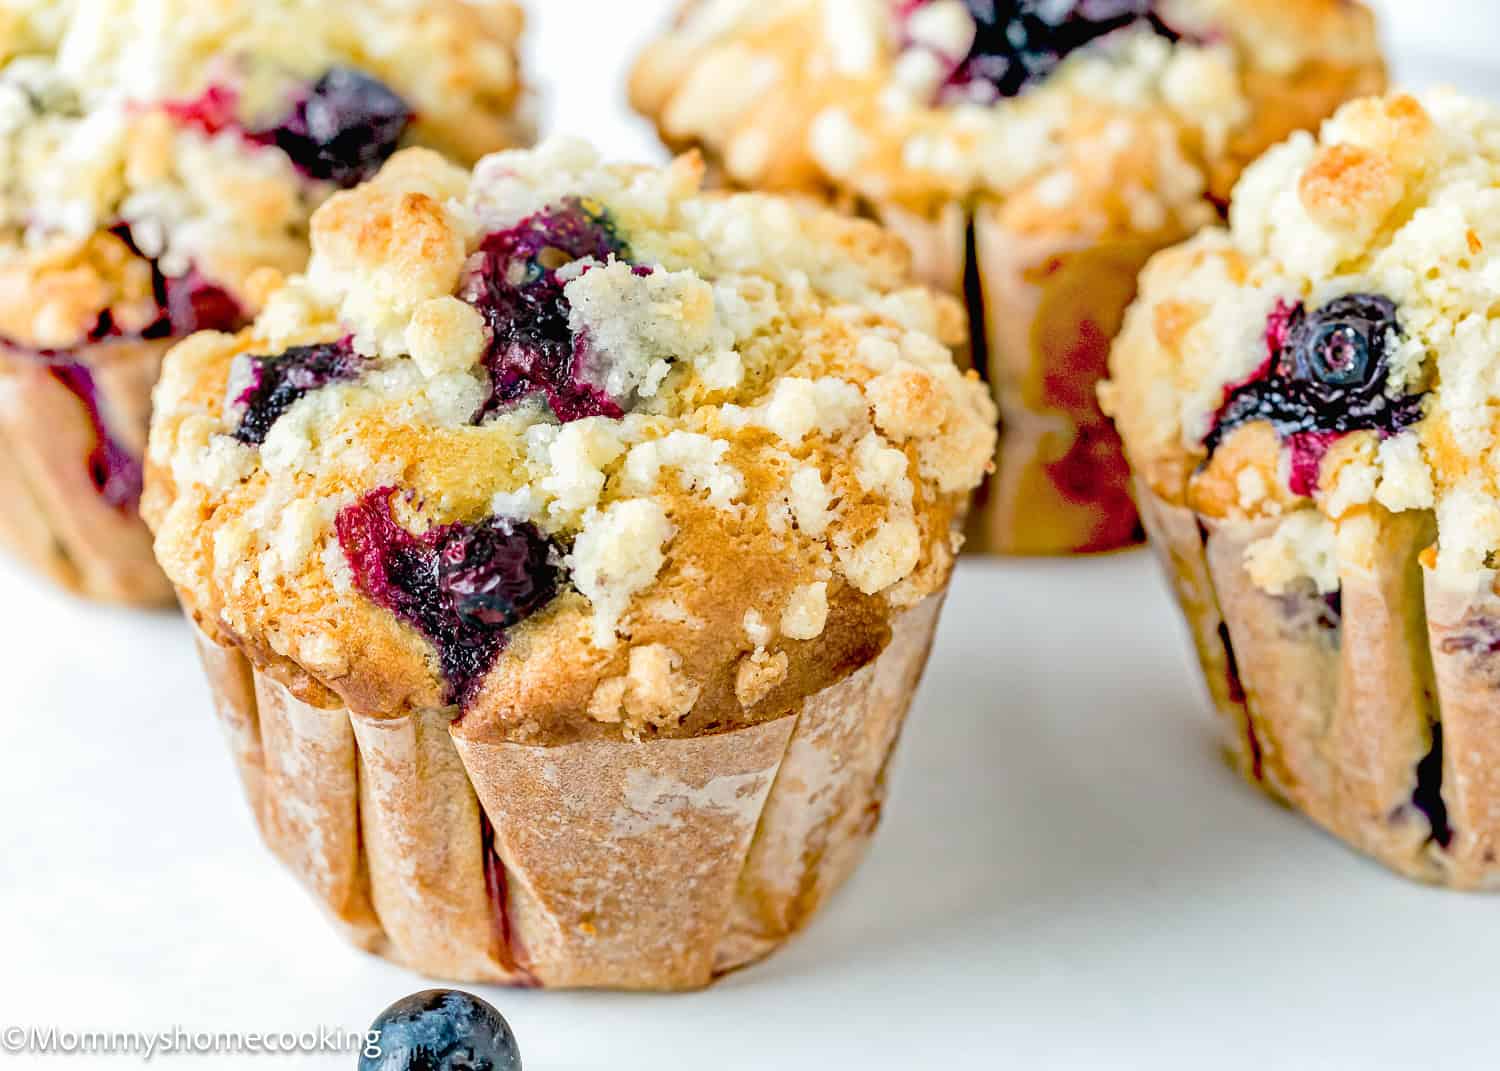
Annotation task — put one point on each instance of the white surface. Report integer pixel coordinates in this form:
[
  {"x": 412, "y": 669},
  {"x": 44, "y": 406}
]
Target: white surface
[{"x": 1068, "y": 876}]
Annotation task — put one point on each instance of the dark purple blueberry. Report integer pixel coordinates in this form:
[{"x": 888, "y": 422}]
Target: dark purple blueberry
[
  {"x": 192, "y": 302},
  {"x": 115, "y": 472},
  {"x": 516, "y": 287},
  {"x": 1020, "y": 42},
  {"x": 441, "y": 1030},
  {"x": 275, "y": 383},
  {"x": 461, "y": 586},
  {"x": 184, "y": 303},
  {"x": 495, "y": 574},
  {"x": 1325, "y": 376},
  {"x": 344, "y": 129},
  {"x": 1339, "y": 353}
]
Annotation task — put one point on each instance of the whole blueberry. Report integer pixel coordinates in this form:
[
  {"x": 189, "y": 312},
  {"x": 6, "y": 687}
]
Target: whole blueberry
[
  {"x": 460, "y": 585},
  {"x": 1341, "y": 348},
  {"x": 1326, "y": 376},
  {"x": 1018, "y": 43},
  {"x": 496, "y": 573},
  {"x": 441, "y": 1030}
]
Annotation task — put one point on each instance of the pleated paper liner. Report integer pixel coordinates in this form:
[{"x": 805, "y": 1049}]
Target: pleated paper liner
[
  {"x": 1374, "y": 712},
  {"x": 657, "y": 865},
  {"x": 1047, "y": 307},
  {"x": 55, "y": 519}
]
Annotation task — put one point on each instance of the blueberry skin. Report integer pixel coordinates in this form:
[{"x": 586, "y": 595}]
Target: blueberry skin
[
  {"x": 1327, "y": 373},
  {"x": 442, "y": 1030},
  {"x": 349, "y": 125},
  {"x": 1020, "y": 42}
]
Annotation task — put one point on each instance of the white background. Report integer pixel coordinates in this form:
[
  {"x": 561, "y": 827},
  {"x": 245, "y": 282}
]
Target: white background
[{"x": 1067, "y": 876}]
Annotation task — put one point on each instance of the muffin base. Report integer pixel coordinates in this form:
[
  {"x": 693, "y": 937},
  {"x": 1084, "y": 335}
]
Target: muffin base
[
  {"x": 1049, "y": 306},
  {"x": 55, "y": 519},
  {"x": 603, "y": 863},
  {"x": 1374, "y": 715}
]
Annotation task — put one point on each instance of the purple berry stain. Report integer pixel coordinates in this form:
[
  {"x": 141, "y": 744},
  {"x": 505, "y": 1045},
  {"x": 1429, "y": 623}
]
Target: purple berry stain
[
  {"x": 1019, "y": 43},
  {"x": 460, "y": 585},
  {"x": 1324, "y": 377},
  {"x": 515, "y": 286},
  {"x": 276, "y": 383},
  {"x": 344, "y": 129},
  {"x": 115, "y": 472}
]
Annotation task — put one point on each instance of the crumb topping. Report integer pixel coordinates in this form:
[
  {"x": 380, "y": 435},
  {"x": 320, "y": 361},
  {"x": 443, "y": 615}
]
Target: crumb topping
[
  {"x": 776, "y": 450},
  {"x": 210, "y": 132},
  {"x": 1388, "y": 217},
  {"x": 1114, "y": 116}
]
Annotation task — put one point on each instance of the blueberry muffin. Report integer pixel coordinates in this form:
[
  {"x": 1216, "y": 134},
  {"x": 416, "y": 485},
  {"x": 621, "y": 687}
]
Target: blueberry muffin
[
  {"x": 1308, "y": 399},
  {"x": 566, "y": 547},
  {"x": 1034, "y": 154},
  {"x": 158, "y": 166}
]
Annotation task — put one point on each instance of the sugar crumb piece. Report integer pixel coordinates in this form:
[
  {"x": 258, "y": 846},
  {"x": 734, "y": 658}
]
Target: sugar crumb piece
[
  {"x": 756, "y": 629},
  {"x": 653, "y": 693},
  {"x": 445, "y": 335},
  {"x": 618, "y": 553},
  {"x": 886, "y": 557},
  {"x": 1303, "y": 547},
  {"x": 806, "y": 614},
  {"x": 758, "y": 675}
]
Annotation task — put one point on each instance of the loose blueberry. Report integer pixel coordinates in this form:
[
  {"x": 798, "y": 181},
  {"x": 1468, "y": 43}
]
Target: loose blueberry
[
  {"x": 515, "y": 286},
  {"x": 461, "y": 586},
  {"x": 441, "y": 1030},
  {"x": 344, "y": 129},
  {"x": 1020, "y": 42},
  {"x": 1324, "y": 377},
  {"x": 275, "y": 383}
]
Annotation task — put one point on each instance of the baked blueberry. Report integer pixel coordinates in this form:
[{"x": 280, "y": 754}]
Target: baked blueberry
[
  {"x": 1020, "y": 42},
  {"x": 275, "y": 383},
  {"x": 516, "y": 287},
  {"x": 459, "y": 585},
  {"x": 495, "y": 574},
  {"x": 441, "y": 1030},
  {"x": 344, "y": 129},
  {"x": 1325, "y": 376}
]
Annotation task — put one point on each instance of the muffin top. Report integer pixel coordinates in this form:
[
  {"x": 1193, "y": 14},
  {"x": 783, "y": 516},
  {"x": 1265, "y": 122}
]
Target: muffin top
[
  {"x": 577, "y": 447},
  {"x": 1334, "y": 351},
  {"x": 154, "y": 155},
  {"x": 1079, "y": 115}
]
